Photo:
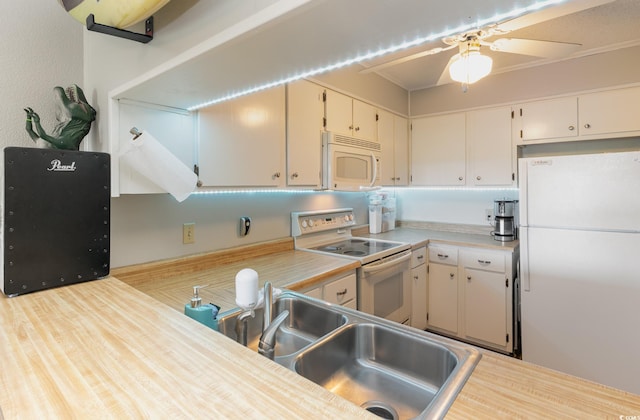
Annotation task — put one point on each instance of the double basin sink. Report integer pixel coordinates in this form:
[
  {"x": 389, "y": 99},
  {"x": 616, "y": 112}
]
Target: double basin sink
[{"x": 391, "y": 370}]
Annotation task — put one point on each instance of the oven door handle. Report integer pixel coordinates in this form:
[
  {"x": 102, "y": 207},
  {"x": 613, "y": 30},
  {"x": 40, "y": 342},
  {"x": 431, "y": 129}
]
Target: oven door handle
[{"x": 372, "y": 268}]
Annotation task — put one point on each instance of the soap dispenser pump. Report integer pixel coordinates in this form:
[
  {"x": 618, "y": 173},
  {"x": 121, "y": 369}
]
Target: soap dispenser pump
[{"x": 205, "y": 314}]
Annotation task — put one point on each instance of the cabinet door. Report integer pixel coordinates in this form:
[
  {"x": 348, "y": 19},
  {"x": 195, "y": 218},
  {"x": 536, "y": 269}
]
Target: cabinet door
[
  {"x": 614, "y": 111},
  {"x": 393, "y": 135},
  {"x": 419, "y": 297},
  {"x": 386, "y": 133},
  {"x": 341, "y": 291},
  {"x": 338, "y": 113},
  {"x": 485, "y": 300},
  {"x": 305, "y": 111},
  {"x": 401, "y": 150},
  {"x": 443, "y": 297},
  {"x": 541, "y": 120},
  {"x": 314, "y": 293},
  {"x": 242, "y": 141},
  {"x": 438, "y": 150},
  {"x": 365, "y": 121},
  {"x": 489, "y": 147}
]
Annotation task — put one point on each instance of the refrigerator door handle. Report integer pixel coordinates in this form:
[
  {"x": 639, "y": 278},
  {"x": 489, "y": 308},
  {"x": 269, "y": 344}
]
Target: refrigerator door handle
[
  {"x": 524, "y": 259},
  {"x": 522, "y": 182}
]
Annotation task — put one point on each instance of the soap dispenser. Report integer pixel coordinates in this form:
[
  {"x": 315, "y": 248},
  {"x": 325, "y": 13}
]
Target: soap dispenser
[{"x": 205, "y": 314}]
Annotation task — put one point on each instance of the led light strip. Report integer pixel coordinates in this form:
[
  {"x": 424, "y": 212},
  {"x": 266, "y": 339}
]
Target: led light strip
[
  {"x": 370, "y": 55},
  {"x": 283, "y": 191}
]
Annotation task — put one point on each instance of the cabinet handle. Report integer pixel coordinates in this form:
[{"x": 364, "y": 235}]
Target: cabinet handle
[
  {"x": 415, "y": 278},
  {"x": 276, "y": 175},
  {"x": 443, "y": 256},
  {"x": 478, "y": 177},
  {"x": 351, "y": 127},
  {"x": 357, "y": 128},
  {"x": 571, "y": 128},
  {"x": 484, "y": 262},
  {"x": 420, "y": 257},
  {"x": 341, "y": 293},
  {"x": 587, "y": 126},
  {"x": 460, "y": 178},
  {"x": 451, "y": 276},
  {"x": 294, "y": 175},
  {"x": 468, "y": 278}
]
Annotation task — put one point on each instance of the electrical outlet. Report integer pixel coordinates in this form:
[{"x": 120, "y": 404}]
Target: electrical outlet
[
  {"x": 488, "y": 215},
  {"x": 188, "y": 233}
]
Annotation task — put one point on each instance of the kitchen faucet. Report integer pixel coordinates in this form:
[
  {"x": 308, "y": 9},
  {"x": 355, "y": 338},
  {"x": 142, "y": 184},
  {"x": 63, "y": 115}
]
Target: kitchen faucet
[{"x": 267, "y": 344}]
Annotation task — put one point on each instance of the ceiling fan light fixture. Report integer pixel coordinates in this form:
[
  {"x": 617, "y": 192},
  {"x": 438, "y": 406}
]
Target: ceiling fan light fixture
[{"x": 470, "y": 67}]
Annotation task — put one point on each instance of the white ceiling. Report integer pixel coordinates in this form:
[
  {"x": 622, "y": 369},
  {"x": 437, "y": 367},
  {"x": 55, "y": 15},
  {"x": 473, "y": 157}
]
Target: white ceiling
[
  {"x": 603, "y": 28},
  {"x": 274, "y": 46}
]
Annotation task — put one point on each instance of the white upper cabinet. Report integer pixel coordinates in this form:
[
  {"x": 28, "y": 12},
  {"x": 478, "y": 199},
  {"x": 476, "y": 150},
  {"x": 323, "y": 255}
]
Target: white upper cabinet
[
  {"x": 465, "y": 148},
  {"x": 490, "y": 157},
  {"x": 401, "y": 150},
  {"x": 614, "y": 112},
  {"x": 305, "y": 114},
  {"x": 242, "y": 141},
  {"x": 544, "y": 120},
  {"x": 350, "y": 117},
  {"x": 599, "y": 115},
  {"x": 438, "y": 150},
  {"x": 393, "y": 135}
]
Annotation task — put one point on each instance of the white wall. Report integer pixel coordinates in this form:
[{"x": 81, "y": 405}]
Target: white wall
[
  {"x": 449, "y": 206},
  {"x": 149, "y": 227},
  {"x": 40, "y": 48}
]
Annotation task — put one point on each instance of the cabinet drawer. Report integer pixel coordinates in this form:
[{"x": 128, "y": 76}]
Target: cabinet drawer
[
  {"x": 341, "y": 290},
  {"x": 418, "y": 256},
  {"x": 443, "y": 254},
  {"x": 483, "y": 260}
]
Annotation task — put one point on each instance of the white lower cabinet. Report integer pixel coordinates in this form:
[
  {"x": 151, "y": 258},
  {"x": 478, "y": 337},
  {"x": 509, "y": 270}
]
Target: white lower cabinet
[
  {"x": 419, "y": 293},
  {"x": 476, "y": 305},
  {"x": 340, "y": 290}
]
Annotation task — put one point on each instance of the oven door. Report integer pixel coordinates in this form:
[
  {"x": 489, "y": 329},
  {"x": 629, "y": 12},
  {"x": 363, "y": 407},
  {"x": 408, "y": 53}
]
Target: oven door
[{"x": 384, "y": 288}]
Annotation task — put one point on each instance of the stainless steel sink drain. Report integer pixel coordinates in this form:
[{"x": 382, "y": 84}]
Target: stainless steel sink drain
[{"x": 380, "y": 409}]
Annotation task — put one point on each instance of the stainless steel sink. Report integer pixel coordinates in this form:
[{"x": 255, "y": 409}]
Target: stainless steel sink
[
  {"x": 379, "y": 368},
  {"x": 307, "y": 322},
  {"x": 390, "y": 369}
]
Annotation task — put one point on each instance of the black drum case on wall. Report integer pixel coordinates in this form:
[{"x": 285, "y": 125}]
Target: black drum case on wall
[{"x": 55, "y": 218}]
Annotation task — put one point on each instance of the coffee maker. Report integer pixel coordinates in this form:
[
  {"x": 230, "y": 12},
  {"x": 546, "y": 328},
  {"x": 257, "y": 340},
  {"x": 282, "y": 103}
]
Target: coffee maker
[{"x": 505, "y": 228}]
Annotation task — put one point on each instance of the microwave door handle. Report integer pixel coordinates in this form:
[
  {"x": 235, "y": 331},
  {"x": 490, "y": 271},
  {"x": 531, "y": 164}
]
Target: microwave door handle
[{"x": 375, "y": 169}]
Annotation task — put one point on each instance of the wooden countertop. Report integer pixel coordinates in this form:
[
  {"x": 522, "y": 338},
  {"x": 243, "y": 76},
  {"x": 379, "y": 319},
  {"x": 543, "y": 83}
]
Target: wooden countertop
[
  {"x": 105, "y": 349},
  {"x": 173, "y": 283},
  {"x": 420, "y": 237}
]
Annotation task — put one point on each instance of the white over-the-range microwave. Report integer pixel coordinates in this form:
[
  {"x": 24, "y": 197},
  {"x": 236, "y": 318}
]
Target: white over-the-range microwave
[{"x": 348, "y": 163}]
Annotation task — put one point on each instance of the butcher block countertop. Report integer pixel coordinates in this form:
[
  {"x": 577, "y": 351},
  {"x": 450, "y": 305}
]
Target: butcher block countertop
[{"x": 105, "y": 349}]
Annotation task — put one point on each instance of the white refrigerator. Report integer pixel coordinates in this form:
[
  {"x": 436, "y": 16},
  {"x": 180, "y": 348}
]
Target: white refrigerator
[{"x": 580, "y": 265}]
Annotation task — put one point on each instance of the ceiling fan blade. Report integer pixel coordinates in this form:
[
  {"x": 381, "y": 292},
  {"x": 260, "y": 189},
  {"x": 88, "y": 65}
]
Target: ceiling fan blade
[
  {"x": 445, "y": 77},
  {"x": 546, "y": 14},
  {"x": 545, "y": 49},
  {"x": 404, "y": 59}
]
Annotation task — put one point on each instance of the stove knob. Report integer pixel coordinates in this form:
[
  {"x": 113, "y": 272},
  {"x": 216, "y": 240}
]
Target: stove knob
[
  {"x": 304, "y": 224},
  {"x": 311, "y": 223}
]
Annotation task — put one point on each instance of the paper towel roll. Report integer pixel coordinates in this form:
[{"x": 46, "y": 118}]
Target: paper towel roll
[{"x": 152, "y": 160}]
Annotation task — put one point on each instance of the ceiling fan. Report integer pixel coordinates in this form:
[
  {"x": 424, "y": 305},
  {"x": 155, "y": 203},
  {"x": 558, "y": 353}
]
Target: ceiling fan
[{"x": 469, "y": 64}]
